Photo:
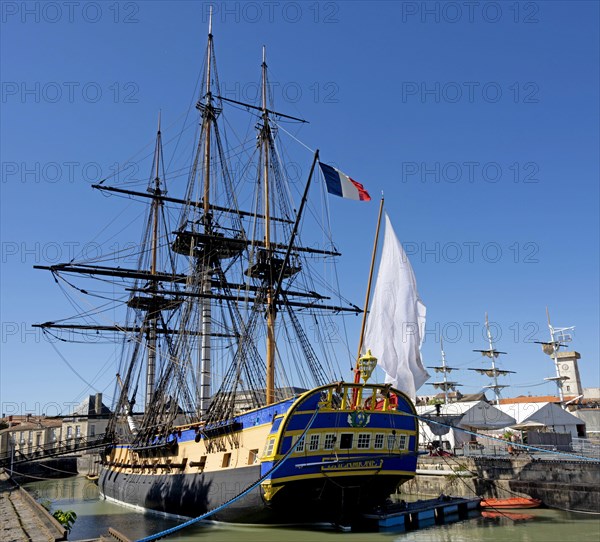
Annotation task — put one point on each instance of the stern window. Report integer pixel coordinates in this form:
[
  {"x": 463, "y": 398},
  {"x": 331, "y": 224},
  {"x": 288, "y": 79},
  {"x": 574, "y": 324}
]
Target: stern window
[
  {"x": 329, "y": 441},
  {"x": 314, "y": 442},
  {"x": 364, "y": 440},
  {"x": 269, "y": 446}
]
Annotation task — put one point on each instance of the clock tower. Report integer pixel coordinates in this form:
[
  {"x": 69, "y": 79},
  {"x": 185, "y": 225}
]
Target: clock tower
[{"x": 567, "y": 367}]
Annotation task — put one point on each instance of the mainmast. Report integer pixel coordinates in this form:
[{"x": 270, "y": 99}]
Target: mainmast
[
  {"x": 493, "y": 372},
  {"x": 271, "y": 313}
]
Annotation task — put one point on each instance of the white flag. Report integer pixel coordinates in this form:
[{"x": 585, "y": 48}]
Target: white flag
[{"x": 396, "y": 321}]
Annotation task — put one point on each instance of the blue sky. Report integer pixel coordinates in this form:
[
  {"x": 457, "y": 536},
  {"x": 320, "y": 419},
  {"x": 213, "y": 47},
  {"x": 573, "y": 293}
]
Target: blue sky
[{"x": 479, "y": 123}]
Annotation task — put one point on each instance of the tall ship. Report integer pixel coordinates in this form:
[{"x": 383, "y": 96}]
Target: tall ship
[{"x": 227, "y": 379}]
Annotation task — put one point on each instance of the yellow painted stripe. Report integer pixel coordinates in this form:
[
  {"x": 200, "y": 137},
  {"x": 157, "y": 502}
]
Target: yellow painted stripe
[
  {"x": 371, "y": 430},
  {"x": 330, "y": 474},
  {"x": 350, "y": 411}
]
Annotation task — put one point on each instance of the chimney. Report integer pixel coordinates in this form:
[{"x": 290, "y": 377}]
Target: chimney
[{"x": 98, "y": 404}]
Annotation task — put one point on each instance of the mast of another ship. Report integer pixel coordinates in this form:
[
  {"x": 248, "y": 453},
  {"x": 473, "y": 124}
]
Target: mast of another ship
[
  {"x": 494, "y": 372},
  {"x": 558, "y": 336},
  {"x": 493, "y": 356},
  {"x": 443, "y": 368}
]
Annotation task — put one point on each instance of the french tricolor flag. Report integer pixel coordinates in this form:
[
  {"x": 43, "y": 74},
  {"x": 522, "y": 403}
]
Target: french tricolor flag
[{"x": 341, "y": 185}]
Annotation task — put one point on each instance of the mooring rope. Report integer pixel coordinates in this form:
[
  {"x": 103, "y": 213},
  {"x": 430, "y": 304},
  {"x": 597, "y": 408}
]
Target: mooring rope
[{"x": 170, "y": 531}]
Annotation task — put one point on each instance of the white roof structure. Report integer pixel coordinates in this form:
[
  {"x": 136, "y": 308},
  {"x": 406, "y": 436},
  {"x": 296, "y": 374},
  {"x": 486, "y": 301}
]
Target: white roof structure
[
  {"x": 473, "y": 414},
  {"x": 470, "y": 415},
  {"x": 542, "y": 415}
]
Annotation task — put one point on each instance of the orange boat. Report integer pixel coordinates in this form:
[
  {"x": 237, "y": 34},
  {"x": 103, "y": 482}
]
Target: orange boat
[{"x": 514, "y": 502}]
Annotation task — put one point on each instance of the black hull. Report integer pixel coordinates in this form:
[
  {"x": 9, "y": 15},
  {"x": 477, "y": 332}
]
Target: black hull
[
  {"x": 303, "y": 501},
  {"x": 188, "y": 495}
]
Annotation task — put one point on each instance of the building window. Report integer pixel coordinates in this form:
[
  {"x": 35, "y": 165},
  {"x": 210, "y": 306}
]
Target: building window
[
  {"x": 69, "y": 432},
  {"x": 30, "y": 438},
  {"x": 329, "y": 441},
  {"x": 78, "y": 431},
  {"x": 346, "y": 441},
  {"x": 92, "y": 430},
  {"x": 314, "y": 443},
  {"x": 38, "y": 439},
  {"x": 22, "y": 438},
  {"x": 269, "y": 446},
  {"x": 226, "y": 460},
  {"x": 252, "y": 457},
  {"x": 403, "y": 441},
  {"x": 364, "y": 440},
  {"x": 300, "y": 445},
  {"x": 378, "y": 441},
  {"x": 53, "y": 435}
]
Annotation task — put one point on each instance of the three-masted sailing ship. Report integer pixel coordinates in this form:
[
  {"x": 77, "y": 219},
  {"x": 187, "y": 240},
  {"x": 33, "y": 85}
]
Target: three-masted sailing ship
[{"x": 220, "y": 382}]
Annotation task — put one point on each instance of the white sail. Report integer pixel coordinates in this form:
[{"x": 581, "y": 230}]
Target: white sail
[{"x": 396, "y": 321}]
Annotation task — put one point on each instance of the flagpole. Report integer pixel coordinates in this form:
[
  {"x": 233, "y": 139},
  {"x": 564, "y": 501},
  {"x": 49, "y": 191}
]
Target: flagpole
[{"x": 368, "y": 295}]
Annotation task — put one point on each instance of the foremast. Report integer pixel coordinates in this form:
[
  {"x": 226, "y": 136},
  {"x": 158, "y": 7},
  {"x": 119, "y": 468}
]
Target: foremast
[
  {"x": 204, "y": 370},
  {"x": 152, "y": 316}
]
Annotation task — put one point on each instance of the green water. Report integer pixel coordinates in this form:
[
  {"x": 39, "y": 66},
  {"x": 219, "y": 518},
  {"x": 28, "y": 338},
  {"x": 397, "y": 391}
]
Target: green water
[{"x": 95, "y": 516}]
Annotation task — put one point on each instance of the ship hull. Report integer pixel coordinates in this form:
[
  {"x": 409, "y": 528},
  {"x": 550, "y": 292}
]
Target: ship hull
[
  {"x": 325, "y": 456},
  {"x": 188, "y": 495},
  {"x": 191, "y": 495}
]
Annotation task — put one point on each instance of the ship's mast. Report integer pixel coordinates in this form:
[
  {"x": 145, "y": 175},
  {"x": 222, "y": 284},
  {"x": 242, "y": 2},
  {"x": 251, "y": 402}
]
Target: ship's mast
[
  {"x": 494, "y": 371},
  {"x": 153, "y": 312},
  {"x": 446, "y": 384},
  {"x": 204, "y": 369},
  {"x": 557, "y": 337},
  {"x": 493, "y": 356},
  {"x": 271, "y": 313}
]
